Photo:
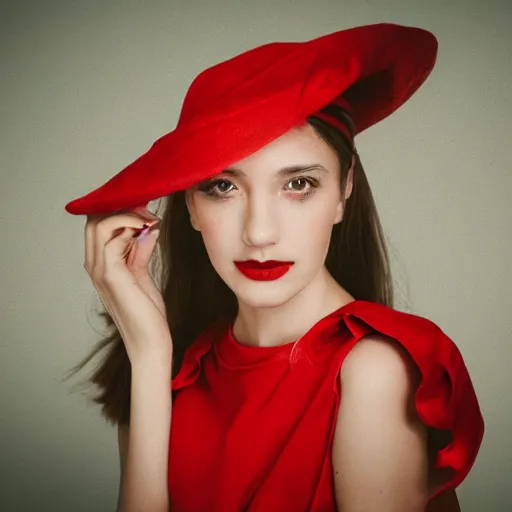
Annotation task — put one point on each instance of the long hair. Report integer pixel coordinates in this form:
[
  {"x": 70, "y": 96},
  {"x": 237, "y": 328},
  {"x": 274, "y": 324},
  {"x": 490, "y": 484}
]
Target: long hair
[{"x": 195, "y": 295}]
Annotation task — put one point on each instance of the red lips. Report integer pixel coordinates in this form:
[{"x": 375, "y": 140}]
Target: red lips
[{"x": 269, "y": 270}]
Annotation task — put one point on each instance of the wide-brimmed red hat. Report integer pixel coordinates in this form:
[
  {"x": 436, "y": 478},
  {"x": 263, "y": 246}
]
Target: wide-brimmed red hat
[{"x": 240, "y": 105}]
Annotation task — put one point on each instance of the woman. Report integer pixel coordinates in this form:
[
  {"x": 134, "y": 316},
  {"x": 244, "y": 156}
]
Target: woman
[{"x": 295, "y": 384}]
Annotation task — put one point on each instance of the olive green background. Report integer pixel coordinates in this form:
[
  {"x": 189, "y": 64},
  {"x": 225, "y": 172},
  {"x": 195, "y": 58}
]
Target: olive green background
[{"x": 87, "y": 86}]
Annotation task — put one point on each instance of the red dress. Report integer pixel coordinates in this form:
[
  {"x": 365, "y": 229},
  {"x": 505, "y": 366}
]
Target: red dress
[{"x": 252, "y": 427}]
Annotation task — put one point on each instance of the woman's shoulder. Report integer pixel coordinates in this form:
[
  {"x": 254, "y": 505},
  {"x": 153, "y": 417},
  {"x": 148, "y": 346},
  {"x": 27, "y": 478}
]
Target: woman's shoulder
[{"x": 385, "y": 343}]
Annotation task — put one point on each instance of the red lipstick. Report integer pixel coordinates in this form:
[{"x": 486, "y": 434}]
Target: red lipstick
[{"x": 269, "y": 270}]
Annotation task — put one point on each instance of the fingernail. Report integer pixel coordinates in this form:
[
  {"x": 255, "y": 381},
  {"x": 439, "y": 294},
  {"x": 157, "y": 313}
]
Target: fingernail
[
  {"x": 151, "y": 225},
  {"x": 148, "y": 227}
]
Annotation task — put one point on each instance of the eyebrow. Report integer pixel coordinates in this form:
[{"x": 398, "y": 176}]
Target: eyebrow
[{"x": 285, "y": 171}]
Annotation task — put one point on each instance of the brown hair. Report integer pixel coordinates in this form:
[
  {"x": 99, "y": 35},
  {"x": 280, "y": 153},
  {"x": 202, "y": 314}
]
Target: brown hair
[{"x": 195, "y": 295}]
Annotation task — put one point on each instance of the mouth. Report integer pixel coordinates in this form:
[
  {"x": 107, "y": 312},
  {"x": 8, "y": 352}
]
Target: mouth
[
  {"x": 262, "y": 264},
  {"x": 269, "y": 270}
]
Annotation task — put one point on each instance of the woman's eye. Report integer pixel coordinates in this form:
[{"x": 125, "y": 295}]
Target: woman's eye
[
  {"x": 301, "y": 182},
  {"x": 216, "y": 187},
  {"x": 223, "y": 186},
  {"x": 220, "y": 188}
]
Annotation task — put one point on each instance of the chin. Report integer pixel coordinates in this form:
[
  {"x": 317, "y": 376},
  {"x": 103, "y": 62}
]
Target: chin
[{"x": 262, "y": 303}]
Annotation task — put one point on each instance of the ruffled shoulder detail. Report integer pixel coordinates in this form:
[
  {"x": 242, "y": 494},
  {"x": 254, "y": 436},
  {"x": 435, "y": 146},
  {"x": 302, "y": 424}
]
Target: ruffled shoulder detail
[
  {"x": 445, "y": 398},
  {"x": 191, "y": 364}
]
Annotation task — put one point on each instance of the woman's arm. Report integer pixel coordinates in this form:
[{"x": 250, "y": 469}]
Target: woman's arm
[
  {"x": 144, "y": 446},
  {"x": 379, "y": 452},
  {"x": 123, "y": 433}
]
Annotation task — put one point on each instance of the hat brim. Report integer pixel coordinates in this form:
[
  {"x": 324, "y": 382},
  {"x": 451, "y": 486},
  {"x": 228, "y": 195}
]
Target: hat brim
[{"x": 238, "y": 106}]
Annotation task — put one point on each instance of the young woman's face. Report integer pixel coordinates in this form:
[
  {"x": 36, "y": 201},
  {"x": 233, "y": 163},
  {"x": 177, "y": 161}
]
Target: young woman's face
[{"x": 279, "y": 203}]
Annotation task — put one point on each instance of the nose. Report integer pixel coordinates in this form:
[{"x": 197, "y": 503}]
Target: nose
[{"x": 260, "y": 227}]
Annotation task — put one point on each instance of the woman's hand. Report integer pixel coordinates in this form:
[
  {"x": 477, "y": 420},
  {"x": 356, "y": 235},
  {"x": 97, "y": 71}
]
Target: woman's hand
[
  {"x": 138, "y": 260},
  {"x": 117, "y": 262}
]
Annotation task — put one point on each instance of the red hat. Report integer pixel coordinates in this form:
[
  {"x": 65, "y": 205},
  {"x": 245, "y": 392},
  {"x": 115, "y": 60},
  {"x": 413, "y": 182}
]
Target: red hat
[{"x": 240, "y": 105}]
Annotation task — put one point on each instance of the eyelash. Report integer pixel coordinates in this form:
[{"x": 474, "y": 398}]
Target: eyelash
[{"x": 208, "y": 189}]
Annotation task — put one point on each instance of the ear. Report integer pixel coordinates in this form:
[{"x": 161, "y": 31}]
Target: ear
[
  {"x": 350, "y": 178},
  {"x": 348, "y": 192},
  {"x": 189, "y": 201}
]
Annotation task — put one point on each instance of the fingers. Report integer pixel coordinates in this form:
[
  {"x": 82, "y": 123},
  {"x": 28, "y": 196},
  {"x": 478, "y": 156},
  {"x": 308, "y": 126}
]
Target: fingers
[
  {"x": 103, "y": 230},
  {"x": 141, "y": 251},
  {"x": 121, "y": 227},
  {"x": 115, "y": 251},
  {"x": 90, "y": 243}
]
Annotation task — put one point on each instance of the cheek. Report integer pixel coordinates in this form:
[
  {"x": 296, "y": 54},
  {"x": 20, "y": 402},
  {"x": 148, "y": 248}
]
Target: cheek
[
  {"x": 311, "y": 233},
  {"x": 317, "y": 234},
  {"x": 218, "y": 229}
]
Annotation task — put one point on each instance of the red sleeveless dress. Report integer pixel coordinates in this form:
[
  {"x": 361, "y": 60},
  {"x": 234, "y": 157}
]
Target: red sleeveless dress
[{"x": 252, "y": 427}]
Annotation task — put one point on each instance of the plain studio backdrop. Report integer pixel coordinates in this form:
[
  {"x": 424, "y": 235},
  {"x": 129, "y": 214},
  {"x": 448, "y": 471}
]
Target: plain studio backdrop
[{"x": 87, "y": 86}]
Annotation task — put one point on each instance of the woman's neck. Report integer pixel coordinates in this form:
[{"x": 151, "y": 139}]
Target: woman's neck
[{"x": 266, "y": 327}]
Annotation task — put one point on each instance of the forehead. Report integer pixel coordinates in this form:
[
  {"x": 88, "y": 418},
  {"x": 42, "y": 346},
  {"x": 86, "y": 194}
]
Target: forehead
[{"x": 300, "y": 145}]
